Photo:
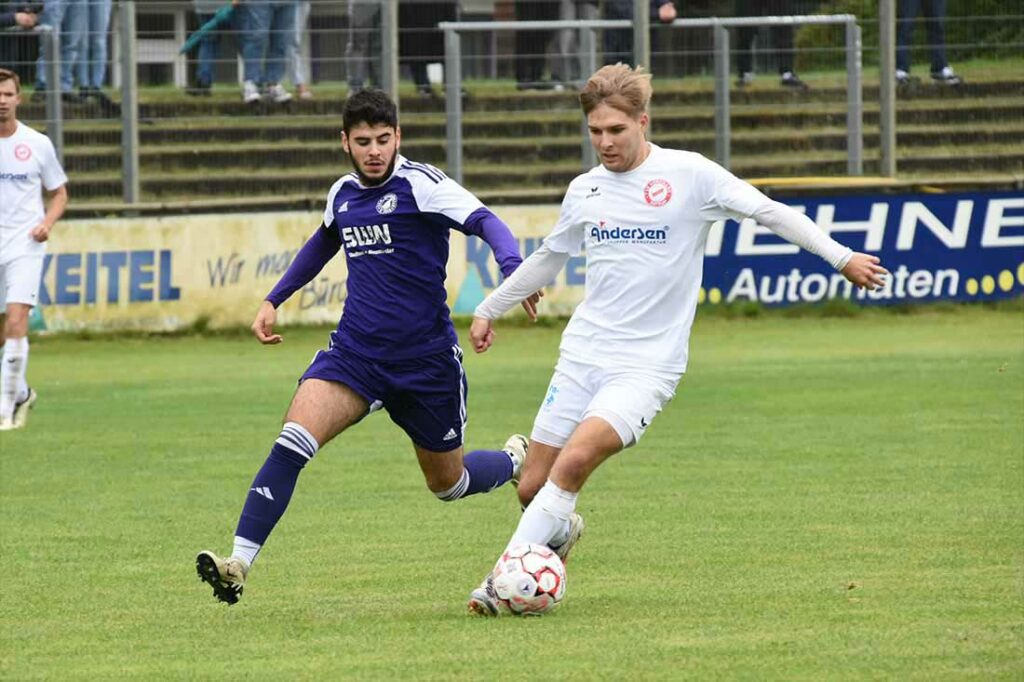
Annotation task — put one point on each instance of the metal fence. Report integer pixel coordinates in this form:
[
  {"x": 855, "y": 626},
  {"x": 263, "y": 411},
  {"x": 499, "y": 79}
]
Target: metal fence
[
  {"x": 490, "y": 98},
  {"x": 587, "y": 57}
]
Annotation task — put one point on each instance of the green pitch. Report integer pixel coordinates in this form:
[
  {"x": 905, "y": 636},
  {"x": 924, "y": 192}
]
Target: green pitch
[{"x": 825, "y": 498}]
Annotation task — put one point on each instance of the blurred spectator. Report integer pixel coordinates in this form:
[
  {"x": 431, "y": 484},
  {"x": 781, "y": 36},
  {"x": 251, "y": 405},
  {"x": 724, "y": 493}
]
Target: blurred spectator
[
  {"x": 209, "y": 44},
  {"x": 566, "y": 68},
  {"x": 783, "y": 47},
  {"x": 68, "y": 17},
  {"x": 934, "y": 12},
  {"x": 618, "y": 42},
  {"x": 420, "y": 42},
  {"x": 532, "y": 45},
  {"x": 266, "y": 27},
  {"x": 296, "y": 58},
  {"x": 17, "y": 14},
  {"x": 14, "y": 45},
  {"x": 91, "y": 68},
  {"x": 362, "y": 52}
]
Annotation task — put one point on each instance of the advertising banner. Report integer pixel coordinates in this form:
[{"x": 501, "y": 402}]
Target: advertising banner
[
  {"x": 938, "y": 247},
  {"x": 170, "y": 273}
]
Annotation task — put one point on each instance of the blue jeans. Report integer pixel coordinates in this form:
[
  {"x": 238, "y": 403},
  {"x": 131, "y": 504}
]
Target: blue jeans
[
  {"x": 69, "y": 17},
  {"x": 209, "y": 53},
  {"x": 267, "y": 27},
  {"x": 934, "y": 12},
  {"x": 92, "y": 57}
]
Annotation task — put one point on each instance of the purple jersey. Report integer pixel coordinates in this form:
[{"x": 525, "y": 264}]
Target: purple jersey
[{"x": 395, "y": 238}]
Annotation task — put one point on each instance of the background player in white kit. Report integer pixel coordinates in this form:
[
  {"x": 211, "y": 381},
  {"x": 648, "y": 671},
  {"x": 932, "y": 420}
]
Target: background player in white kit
[
  {"x": 643, "y": 216},
  {"x": 28, "y": 164}
]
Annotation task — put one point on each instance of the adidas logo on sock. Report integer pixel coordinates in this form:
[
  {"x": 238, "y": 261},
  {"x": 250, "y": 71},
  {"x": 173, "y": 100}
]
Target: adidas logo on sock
[
  {"x": 264, "y": 491},
  {"x": 451, "y": 434}
]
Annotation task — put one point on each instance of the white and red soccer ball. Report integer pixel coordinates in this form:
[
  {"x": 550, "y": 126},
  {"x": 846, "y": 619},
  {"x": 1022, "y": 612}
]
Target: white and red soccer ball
[{"x": 529, "y": 579}]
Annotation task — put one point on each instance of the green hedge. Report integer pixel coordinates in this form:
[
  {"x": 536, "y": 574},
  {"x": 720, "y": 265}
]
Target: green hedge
[{"x": 968, "y": 34}]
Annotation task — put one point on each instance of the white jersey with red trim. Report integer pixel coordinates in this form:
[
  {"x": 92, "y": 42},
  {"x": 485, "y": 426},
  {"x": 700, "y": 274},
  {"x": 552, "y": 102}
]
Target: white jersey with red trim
[
  {"x": 28, "y": 164},
  {"x": 644, "y": 233}
]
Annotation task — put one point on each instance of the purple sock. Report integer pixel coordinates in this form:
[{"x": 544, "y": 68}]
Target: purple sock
[
  {"x": 487, "y": 470},
  {"x": 270, "y": 493},
  {"x": 483, "y": 471}
]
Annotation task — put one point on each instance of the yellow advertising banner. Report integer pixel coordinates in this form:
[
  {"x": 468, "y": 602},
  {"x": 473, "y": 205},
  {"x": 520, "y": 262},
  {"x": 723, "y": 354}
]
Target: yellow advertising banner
[{"x": 172, "y": 272}]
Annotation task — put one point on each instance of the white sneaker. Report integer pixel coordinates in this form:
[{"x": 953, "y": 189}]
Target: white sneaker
[
  {"x": 483, "y": 601},
  {"x": 7, "y": 424},
  {"x": 225, "y": 576},
  {"x": 21, "y": 409},
  {"x": 250, "y": 93},
  {"x": 576, "y": 527},
  {"x": 516, "y": 447},
  {"x": 947, "y": 76},
  {"x": 278, "y": 94}
]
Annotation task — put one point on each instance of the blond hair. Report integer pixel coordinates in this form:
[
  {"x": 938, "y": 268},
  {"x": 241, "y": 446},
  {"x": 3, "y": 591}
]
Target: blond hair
[
  {"x": 6, "y": 75},
  {"x": 620, "y": 87}
]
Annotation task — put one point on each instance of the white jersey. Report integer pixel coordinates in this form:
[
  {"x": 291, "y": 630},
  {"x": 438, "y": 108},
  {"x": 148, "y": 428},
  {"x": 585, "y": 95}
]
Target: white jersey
[
  {"x": 28, "y": 163},
  {"x": 644, "y": 233}
]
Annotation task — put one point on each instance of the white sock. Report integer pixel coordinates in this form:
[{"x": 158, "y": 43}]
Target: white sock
[
  {"x": 12, "y": 374},
  {"x": 246, "y": 550},
  {"x": 22, "y": 393},
  {"x": 546, "y": 520}
]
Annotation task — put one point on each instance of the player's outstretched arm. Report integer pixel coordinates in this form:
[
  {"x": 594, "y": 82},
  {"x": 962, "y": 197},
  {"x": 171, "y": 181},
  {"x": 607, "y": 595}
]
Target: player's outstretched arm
[
  {"x": 480, "y": 334},
  {"x": 865, "y": 271},
  {"x": 263, "y": 326}
]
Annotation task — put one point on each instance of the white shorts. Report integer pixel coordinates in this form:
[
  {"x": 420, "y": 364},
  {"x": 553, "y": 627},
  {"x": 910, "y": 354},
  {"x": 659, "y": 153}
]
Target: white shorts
[
  {"x": 19, "y": 281},
  {"x": 627, "y": 398}
]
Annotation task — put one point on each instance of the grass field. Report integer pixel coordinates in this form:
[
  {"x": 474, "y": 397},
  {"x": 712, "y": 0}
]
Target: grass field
[{"x": 824, "y": 499}]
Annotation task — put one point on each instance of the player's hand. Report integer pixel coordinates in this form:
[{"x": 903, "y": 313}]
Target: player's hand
[
  {"x": 263, "y": 327},
  {"x": 667, "y": 12},
  {"x": 480, "y": 334},
  {"x": 530, "y": 304},
  {"x": 41, "y": 232},
  {"x": 865, "y": 271}
]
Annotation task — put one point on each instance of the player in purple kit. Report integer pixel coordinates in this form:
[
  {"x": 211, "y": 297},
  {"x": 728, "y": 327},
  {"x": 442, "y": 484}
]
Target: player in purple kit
[{"x": 395, "y": 347}]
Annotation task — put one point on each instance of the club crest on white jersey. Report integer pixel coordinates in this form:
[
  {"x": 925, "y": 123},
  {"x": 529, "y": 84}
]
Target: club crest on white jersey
[{"x": 657, "y": 192}]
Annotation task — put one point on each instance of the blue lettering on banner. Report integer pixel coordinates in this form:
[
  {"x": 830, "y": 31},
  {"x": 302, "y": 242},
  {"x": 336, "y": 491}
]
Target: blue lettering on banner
[
  {"x": 478, "y": 256},
  {"x": 963, "y": 246},
  {"x": 958, "y": 246},
  {"x": 82, "y": 278}
]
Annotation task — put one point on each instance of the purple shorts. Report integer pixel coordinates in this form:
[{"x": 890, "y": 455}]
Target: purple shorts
[{"x": 425, "y": 396}]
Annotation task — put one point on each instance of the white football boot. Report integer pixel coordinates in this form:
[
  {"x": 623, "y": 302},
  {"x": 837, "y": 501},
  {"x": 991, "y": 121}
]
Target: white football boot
[
  {"x": 483, "y": 601},
  {"x": 225, "y": 576},
  {"x": 21, "y": 409},
  {"x": 516, "y": 447},
  {"x": 576, "y": 527}
]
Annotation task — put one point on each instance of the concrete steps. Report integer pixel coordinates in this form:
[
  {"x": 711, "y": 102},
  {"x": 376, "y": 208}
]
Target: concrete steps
[{"x": 218, "y": 147}]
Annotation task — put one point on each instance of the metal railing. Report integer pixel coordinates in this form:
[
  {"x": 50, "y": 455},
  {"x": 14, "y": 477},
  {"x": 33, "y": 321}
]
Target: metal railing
[{"x": 720, "y": 26}]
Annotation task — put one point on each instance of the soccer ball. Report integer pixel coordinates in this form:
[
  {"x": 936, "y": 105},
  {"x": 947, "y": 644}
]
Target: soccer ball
[{"x": 529, "y": 579}]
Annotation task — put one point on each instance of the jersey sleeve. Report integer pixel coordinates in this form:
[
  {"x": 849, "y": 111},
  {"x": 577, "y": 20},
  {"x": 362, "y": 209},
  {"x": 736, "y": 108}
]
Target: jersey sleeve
[
  {"x": 569, "y": 232},
  {"x": 51, "y": 172},
  {"x": 329, "y": 208},
  {"x": 724, "y": 196},
  {"x": 444, "y": 196}
]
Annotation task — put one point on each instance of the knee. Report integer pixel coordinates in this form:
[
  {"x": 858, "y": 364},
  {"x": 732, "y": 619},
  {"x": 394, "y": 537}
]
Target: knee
[{"x": 571, "y": 470}]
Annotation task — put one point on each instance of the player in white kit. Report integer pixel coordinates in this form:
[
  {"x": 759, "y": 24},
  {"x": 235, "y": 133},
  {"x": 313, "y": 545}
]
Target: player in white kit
[
  {"x": 643, "y": 217},
  {"x": 28, "y": 164}
]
